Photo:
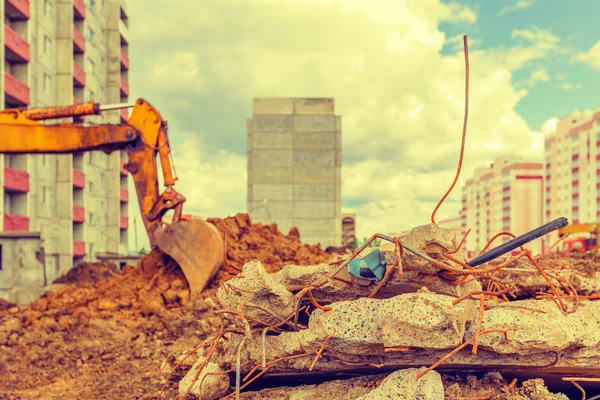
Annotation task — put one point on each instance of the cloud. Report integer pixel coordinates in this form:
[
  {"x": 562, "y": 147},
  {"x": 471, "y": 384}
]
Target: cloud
[
  {"x": 457, "y": 42},
  {"x": 401, "y": 101},
  {"x": 549, "y": 127},
  {"x": 537, "y": 75},
  {"x": 542, "y": 38},
  {"x": 591, "y": 58},
  {"x": 519, "y": 5},
  {"x": 569, "y": 86}
]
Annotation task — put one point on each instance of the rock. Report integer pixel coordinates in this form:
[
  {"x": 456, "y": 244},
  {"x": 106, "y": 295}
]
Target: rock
[
  {"x": 366, "y": 326},
  {"x": 403, "y": 384},
  {"x": 430, "y": 240},
  {"x": 260, "y": 289},
  {"x": 170, "y": 296},
  {"x": 107, "y": 305},
  {"x": 213, "y": 386}
]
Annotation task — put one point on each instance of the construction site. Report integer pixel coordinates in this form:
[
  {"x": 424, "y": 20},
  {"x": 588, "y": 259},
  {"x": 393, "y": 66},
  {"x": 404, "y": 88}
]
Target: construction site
[{"x": 277, "y": 303}]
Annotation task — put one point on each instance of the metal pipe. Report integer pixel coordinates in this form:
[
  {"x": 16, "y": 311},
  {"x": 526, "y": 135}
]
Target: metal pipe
[
  {"x": 518, "y": 241},
  {"x": 116, "y": 106}
]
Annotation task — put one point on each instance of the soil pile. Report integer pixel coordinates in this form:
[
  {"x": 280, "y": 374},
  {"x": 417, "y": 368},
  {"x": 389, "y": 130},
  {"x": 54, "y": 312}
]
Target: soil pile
[
  {"x": 100, "y": 338},
  {"x": 89, "y": 272}
]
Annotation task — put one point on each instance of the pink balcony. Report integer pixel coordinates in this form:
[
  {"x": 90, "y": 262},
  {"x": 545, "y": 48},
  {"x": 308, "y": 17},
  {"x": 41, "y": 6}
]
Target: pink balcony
[
  {"x": 78, "y": 214},
  {"x": 17, "y": 48},
  {"x": 16, "y": 89},
  {"x": 124, "y": 223},
  {"x": 122, "y": 169},
  {"x": 17, "y": 9},
  {"x": 79, "y": 8},
  {"x": 78, "y": 248},
  {"x": 16, "y": 180},
  {"x": 78, "y": 75},
  {"x": 124, "y": 195},
  {"x": 124, "y": 87},
  {"x": 124, "y": 114},
  {"x": 78, "y": 179},
  {"x": 16, "y": 222},
  {"x": 78, "y": 41},
  {"x": 124, "y": 61}
]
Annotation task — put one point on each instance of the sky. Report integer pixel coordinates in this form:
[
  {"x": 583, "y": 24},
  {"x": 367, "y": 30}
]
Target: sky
[{"x": 396, "y": 71}]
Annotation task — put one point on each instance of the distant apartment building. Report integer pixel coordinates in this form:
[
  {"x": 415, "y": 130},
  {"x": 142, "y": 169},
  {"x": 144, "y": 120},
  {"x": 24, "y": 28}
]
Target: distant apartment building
[
  {"x": 348, "y": 229},
  {"x": 60, "y": 53},
  {"x": 506, "y": 197},
  {"x": 572, "y": 171},
  {"x": 294, "y": 167}
]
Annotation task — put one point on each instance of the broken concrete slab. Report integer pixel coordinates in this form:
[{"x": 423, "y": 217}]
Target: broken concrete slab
[
  {"x": 431, "y": 240},
  {"x": 254, "y": 286},
  {"x": 534, "y": 332},
  {"x": 293, "y": 276},
  {"x": 214, "y": 385},
  {"x": 367, "y": 326},
  {"x": 403, "y": 384}
]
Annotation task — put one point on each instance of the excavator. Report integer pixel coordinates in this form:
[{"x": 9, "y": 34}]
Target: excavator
[
  {"x": 580, "y": 243},
  {"x": 196, "y": 245}
]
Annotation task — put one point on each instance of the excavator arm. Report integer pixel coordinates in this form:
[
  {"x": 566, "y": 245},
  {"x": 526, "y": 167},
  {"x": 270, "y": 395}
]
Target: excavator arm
[{"x": 195, "y": 245}]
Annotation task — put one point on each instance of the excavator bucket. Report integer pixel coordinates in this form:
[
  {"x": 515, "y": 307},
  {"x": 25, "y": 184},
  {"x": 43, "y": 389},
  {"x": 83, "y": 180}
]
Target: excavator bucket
[{"x": 197, "y": 246}]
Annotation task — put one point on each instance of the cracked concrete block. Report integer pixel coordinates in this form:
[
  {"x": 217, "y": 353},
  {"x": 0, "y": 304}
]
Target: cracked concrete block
[
  {"x": 534, "y": 332},
  {"x": 367, "y": 326},
  {"x": 259, "y": 288},
  {"x": 433, "y": 241},
  {"x": 403, "y": 384},
  {"x": 213, "y": 386}
]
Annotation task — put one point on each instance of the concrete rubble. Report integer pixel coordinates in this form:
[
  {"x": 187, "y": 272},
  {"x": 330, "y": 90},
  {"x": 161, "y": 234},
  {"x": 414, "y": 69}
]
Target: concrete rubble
[{"x": 412, "y": 322}]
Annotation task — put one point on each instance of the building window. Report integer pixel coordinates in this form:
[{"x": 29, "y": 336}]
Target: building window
[
  {"x": 90, "y": 98},
  {"x": 90, "y": 65},
  {"x": 47, "y": 46},
  {"x": 47, "y": 8},
  {"x": 102, "y": 208},
  {"x": 47, "y": 195},
  {"x": 45, "y": 160},
  {"x": 90, "y": 188},
  {"x": 47, "y": 83},
  {"x": 91, "y": 250},
  {"x": 91, "y": 218},
  {"x": 102, "y": 98},
  {"x": 90, "y": 37},
  {"x": 102, "y": 66},
  {"x": 91, "y": 5}
]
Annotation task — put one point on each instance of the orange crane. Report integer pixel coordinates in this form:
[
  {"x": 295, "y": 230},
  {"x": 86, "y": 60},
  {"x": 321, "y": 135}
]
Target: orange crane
[
  {"x": 195, "y": 245},
  {"x": 580, "y": 243}
]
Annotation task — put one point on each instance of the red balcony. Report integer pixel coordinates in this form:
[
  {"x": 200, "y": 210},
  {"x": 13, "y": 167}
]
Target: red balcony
[
  {"x": 78, "y": 41},
  {"x": 124, "y": 87},
  {"x": 124, "y": 223},
  {"x": 16, "y": 222},
  {"x": 124, "y": 61},
  {"x": 78, "y": 248},
  {"x": 78, "y": 75},
  {"x": 79, "y": 8},
  {"x": 16, "y": 89},
  {"x": 124, "y": 114},
  {"x": 78, "y": 214},
  {"x": 78, "y": 179},
  {"x": 122, "y": 169},
  {"x": 124, "y": 195},
  {"x": 17, "y": 9},
  {"x": 16, "y": 180},
  {"x": 17, "y": 48}
]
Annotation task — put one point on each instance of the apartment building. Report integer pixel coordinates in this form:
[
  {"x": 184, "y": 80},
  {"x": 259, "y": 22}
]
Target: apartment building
[
  {"x": 59, "y": 52},
  {"x": 294, "y": 167},
  {"x": 572, "y": 171},
  {"x": 506, "y": 197}
]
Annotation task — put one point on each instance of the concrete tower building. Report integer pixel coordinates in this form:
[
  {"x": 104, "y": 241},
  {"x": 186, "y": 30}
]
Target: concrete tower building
[
  {"x": 62, "y": 52},
  {"x": 294, "y": 167}
]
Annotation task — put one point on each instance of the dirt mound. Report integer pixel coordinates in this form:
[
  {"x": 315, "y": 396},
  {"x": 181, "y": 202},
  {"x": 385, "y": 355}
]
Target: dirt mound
[
  {"x": 89, "y": 272},
  {"x": 246, "y": 241},
  {"x": 100, "y": 338}
]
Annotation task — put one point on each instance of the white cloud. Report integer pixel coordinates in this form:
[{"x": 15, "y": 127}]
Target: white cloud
[
  {"x": 569, "y": 86},
  {"x": 537, "y": 75},
  {"x": 549, "y": 127},
  {"x": 519, "y": 5},
  {"x": 542, "y": 38},
  {"x": 401, "y": 101},
  {"x": 591, "y": 58}
]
